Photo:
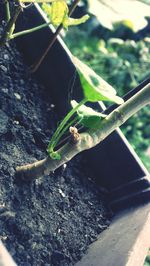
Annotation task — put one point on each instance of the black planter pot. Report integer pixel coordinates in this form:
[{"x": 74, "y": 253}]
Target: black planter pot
[{"x": 114, "y": 163}]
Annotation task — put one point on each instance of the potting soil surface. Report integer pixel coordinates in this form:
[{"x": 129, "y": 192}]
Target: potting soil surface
[{"x": 52, "y": 220}]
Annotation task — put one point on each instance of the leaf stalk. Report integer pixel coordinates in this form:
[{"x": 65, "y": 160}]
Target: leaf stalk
[{"x": 58, "y": 133}]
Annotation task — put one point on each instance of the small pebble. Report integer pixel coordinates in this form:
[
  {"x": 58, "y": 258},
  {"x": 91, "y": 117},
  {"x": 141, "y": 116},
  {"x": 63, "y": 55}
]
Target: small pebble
[
  {"x": 61, "y": 193},
  {"x": 3, "y": 22},
  {"x": 16, "y": 122},
  {"x": 17, "y": 95},
  {"x": 5, "y": 90},
  {"x": 3, "y": 68},
  {"x": 59, "y": 230},
  {"x": 11, "y": 171},
  {"x": 2, "y": 208},
  {"x": 64, "y": 166},
  {"x": 3, "y": 122},
  {"x": 3, "y": 238},
  {"x": 6, "y": 57},
  {"x": 22, "y": 82},
  {"x": 7, "y": 215},
  {"x": 2, "y": 205}
]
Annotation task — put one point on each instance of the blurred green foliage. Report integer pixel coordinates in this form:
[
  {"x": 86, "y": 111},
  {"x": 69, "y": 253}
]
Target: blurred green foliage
[
  {"x": 147, "y": 261},
  {"x": 124, "y": 64}
]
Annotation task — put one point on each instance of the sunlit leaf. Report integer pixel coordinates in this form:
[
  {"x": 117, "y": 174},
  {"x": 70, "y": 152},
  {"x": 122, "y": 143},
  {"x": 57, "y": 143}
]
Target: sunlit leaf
[
  {"x": 88, "y": 117},
  {"x": 94, "y": 87},
  {"x": 125, "y": 22},
  {"x": 74, "y": 21},
  {"x": 57, "y": 11}
]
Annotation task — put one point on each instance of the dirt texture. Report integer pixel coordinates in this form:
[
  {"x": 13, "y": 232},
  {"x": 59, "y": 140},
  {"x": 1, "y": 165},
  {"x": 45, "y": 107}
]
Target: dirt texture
[{"x": 50, "y": 221}]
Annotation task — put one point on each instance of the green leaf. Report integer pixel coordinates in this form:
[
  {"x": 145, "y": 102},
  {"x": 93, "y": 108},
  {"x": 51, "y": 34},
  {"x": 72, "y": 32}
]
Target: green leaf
[
  {"x": 94, "y": 87},
  {"x": 88, "y": 117},
  {"x": 47, "y": 9},
  {"x": 57, "y": 11},
  {"x": 125, "y": 22},
  {"x": 74, "y": 21}
]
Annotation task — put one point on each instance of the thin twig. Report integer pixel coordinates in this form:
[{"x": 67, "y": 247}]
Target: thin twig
[{"x": 36, "y": 65}]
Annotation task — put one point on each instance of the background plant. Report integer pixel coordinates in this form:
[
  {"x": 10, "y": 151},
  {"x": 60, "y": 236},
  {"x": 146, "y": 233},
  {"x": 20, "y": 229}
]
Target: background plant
[{"x": 124, "y": 64}]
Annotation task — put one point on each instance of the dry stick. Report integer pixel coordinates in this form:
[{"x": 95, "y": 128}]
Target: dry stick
[
  {"x": 88, "y": 139},
  {"x": 36, "y": 65}
]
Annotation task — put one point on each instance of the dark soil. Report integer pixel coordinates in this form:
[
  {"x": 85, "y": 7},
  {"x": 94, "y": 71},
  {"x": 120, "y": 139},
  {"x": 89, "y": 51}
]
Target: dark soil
[{"x": 50, "y": 221}]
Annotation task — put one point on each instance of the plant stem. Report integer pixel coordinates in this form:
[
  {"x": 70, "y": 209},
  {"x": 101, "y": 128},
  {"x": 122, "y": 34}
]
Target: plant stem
[
  {"x": 7, "y": 10},
  {"x": 24, "y": 32},
  {"x": 121, "y": 114},
  {"x": 10, "y": 26},
  {"x": 64, "y": 131},
  {"x": 88, "y": 139},
  {"x": 37, "y": 64},
  {"x": 68, "y": 137},
  {"x": 54, "y": 138}
]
